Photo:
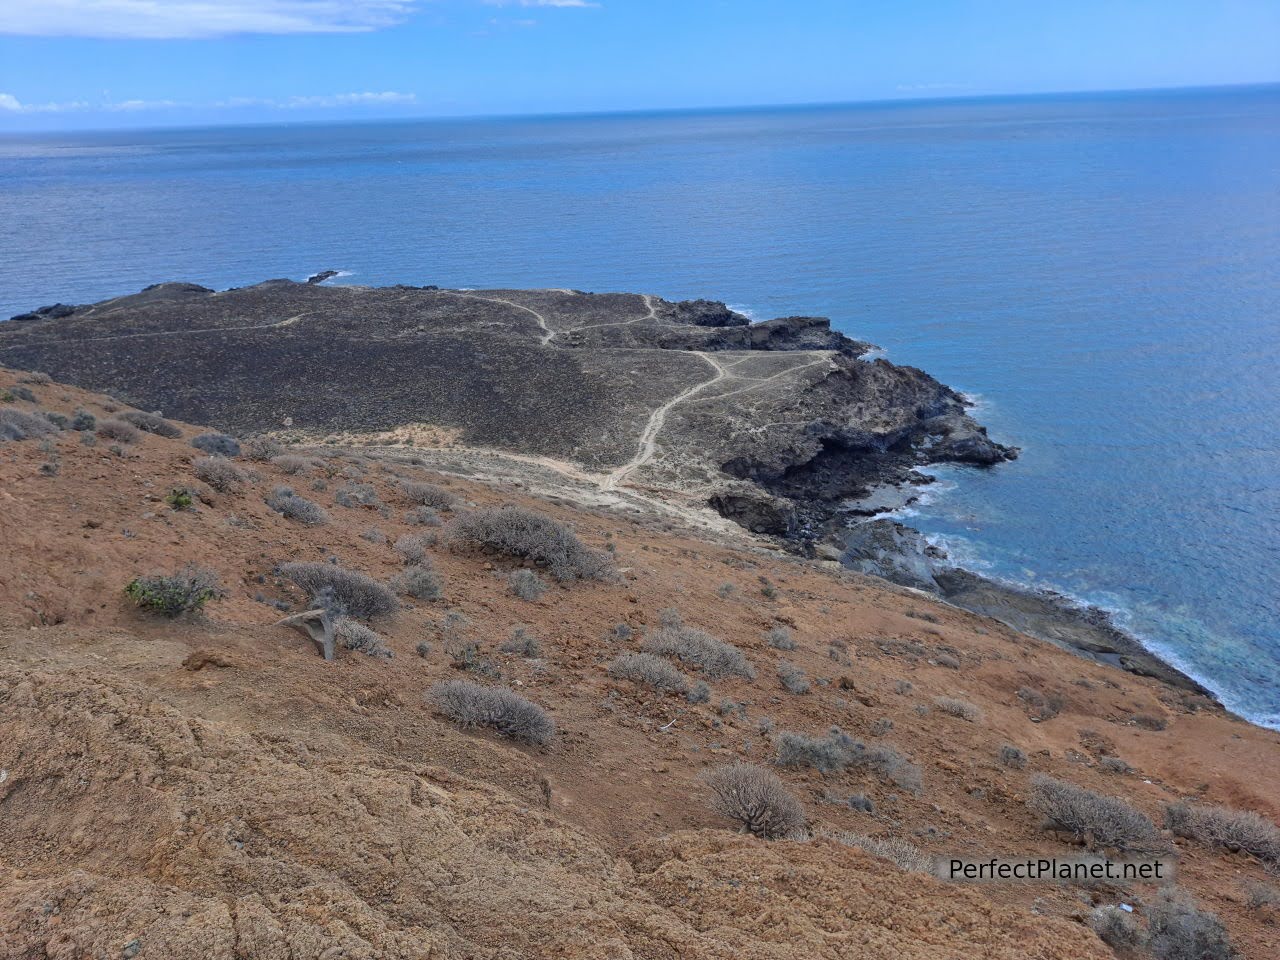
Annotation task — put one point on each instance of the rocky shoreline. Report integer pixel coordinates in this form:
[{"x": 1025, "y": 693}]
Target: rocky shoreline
[
  {"x": 897, "y": 553},
  {"x": 779, "y": 425}
]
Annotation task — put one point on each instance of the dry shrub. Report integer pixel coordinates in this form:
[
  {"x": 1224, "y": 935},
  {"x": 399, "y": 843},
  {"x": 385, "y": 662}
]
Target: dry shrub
[
  {"x": 837, "y": 750},
  {"x": 958, "y": 708},
  {"x": 1107, "y": 821},
  {"x": 219, "y": 473},
  {"x": 1011, "y": 756},
  {"x": 529, "y": 535},
  {"x": 905, "y": 855},
  {"x": 152, "y": 423},
  {"x": 1226, "y": 827},
  {"x": 428, "y": 494},
  {"x": 293, "y": 463},
  {"x": 413, "y": 547},
  {"x": 356, "y": 636},
  {"x": 284, "y": 501},
  {"x": 715, "y": 658},
  {"x": 357, "y": 595},
  {"x": 119, "y": 430},
  {"x": 19, "y": 425},
  {"x": 650, "y": 670},
  {"x": 1177, "y": 929},
  {"x": 419, "y": 581},
  {"x": 526, "y": 584},
  {"x": 793, "y": 678},
  {"x": 756, "y": 800},
  {"x": 497, "y": 708},
  {"x": 217, "y": 444},
  {"x": 780, "y": 638},
  {"x": 261, "y": 449},
  {"x": 1116, "y": 928}
]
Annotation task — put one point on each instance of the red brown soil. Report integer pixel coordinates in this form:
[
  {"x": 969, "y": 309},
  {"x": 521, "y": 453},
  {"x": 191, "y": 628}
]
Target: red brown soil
[{"x": 210, "y": 788}]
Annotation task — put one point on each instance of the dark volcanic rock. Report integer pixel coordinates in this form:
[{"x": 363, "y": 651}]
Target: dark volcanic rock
[
  {"x": 704, "y": 313},
  {"x": 55, "y": 311},
  {"x": 322, "y": 276}
]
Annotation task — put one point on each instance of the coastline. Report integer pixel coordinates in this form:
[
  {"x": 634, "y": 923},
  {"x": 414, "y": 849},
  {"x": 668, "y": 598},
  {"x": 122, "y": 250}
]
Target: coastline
[{"x": 856, "y": 430}]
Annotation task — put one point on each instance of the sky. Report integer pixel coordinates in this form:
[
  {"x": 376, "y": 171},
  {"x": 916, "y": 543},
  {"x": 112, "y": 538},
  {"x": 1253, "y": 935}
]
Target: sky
[{"x": 78, "y": 64}]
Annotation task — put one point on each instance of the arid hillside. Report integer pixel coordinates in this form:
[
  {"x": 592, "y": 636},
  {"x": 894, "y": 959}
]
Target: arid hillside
[{"x": 206, "y": 785}]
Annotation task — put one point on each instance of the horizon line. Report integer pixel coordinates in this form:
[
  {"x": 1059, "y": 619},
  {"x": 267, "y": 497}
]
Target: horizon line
[{"x": 650, "y": 111}]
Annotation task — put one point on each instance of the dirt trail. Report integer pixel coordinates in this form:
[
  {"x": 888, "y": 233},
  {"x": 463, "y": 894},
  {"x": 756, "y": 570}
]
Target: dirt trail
[
  {"x": 547, "y": 333},
  {"x": 275, "y": 325},
  {"x": 648, "y": 437}
]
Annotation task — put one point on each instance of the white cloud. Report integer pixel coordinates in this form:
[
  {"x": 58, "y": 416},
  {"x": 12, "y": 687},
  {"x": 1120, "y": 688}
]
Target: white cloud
[
  {"x": 11, "y": 104},
  {"x": 541, "y": 3},
  {"x": 171, "y": 19}
]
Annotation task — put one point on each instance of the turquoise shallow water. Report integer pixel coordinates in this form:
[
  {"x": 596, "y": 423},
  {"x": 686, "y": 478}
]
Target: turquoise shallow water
[{"x": 1099, "y": 271}]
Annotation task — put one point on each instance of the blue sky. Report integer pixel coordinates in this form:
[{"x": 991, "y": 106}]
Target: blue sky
[{"x": 67, "y": 64}]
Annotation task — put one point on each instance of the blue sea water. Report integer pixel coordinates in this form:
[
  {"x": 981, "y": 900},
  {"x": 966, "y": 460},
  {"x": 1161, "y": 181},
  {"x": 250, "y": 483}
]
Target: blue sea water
[{"x": 1102, "y": 272}]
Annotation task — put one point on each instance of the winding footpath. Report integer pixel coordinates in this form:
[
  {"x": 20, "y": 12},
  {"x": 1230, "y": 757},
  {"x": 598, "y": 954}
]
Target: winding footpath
[{"x": 647, "y": 446}]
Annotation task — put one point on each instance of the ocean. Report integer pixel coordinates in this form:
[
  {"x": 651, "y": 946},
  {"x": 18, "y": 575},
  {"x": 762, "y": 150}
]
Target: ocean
[{"x": 1100, "y": 272}]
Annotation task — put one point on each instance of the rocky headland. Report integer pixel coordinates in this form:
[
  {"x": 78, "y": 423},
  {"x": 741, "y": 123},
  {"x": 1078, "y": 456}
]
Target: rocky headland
[{"x": 784, "y": 427}]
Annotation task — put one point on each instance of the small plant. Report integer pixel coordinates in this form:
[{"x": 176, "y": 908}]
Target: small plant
[
  {"x": 1011, "y": 756},
  {"x": 219, "y": 473},
  {"x": 827, "y": 754},
  {"x": 171, "y": 595},
  {"x": 756, "y": 800},
  {"x": 497, "y": 708},
  {"x": 353, "y": 635},
  {"x": 1226, "y": 827},
  {"x": 649, "y": 670},
  {"x": 428, "y": 495},
  {"x": 903, "y": 687},
  {"x": 1114, "y": 765},
  {"x": 699, "y": 692},
  {"x": 726, "y": 590},
  {"x": 533, "y": 536},
  {"x": 422, "y": 517},
  {"x": 82, "y": 420},
  {"x": 18, "y": 425},
  {"x": 119, "y": 430},
  {"x": 947, "y": 660},
  {"x": 358, "y": 595},
  {"x": 522, "y": 644},
  {"x": 419, "y": 581},
  {"x": 357, "y": 495},
  {"x": 1040, "y": 706},
  {"x": 1177, "y": 929},
  {"x": 423, "y": 649},
  {"x": 881, "y": 726},
  {"x": 1107, "y": 821},
  {"x": 780, "y": 638},
  {"x": 293, "y": 464},
  {"x": 897, "y": 851},
  {"x": 179, "y": 498},
  {"x": 958, "y": 708},
  {"x": 152, "y": 423},
  {"x": 793, "y": 678},
  {"x": 767, "y": 589},
  {"x": 287, "y": 503},
  {"x": 619, "y": 633},
  {"x": 261, "y": 449},
  {"x": 217, "y": 444},
  {"x": 1116, "y": 928},
  {"x": 526, "y": 584},
  {"x": 373, "y": 535},
  {"x": 715, "y": 658},
  {"x": 465, "y": 655},
  {"x": 413, "y": 547}
]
